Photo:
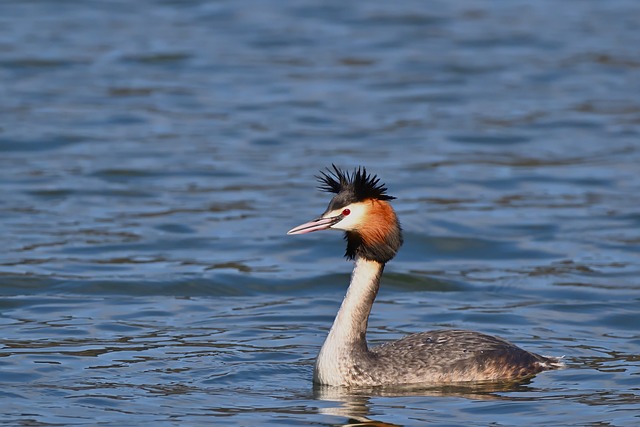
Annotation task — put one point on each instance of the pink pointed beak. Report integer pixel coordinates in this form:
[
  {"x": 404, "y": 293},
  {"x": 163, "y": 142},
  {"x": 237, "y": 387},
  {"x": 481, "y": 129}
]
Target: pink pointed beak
[{"x": 315, "y": 225}]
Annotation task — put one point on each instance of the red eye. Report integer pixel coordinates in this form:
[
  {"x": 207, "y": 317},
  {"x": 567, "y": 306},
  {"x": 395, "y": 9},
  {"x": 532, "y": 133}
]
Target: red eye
[{"x": 346, "y": 212}]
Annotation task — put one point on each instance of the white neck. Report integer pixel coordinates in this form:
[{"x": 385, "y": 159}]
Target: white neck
[{"x": 347, "y": 337}]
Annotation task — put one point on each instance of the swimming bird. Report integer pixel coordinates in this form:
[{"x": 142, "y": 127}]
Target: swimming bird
[{"x": 361, "y": 208}]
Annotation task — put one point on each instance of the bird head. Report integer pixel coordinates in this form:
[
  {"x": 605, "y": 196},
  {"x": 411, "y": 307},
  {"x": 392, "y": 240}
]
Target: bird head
[{"x": 361, "y": 209}]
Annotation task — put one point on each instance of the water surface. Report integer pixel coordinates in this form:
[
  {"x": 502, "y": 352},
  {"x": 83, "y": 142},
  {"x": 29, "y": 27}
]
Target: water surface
[{"x": 154, "y": 153}]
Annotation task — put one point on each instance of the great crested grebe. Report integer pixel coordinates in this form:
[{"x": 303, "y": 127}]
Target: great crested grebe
[{"x": 361, "y": 209}]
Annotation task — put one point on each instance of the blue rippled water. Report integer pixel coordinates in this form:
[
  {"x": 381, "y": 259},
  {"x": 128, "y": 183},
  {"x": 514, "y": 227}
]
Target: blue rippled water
[{"x": 153, "y": 155}]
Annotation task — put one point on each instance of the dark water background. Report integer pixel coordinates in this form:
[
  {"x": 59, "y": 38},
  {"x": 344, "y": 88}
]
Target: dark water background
[{"x": 154, "y": 153}]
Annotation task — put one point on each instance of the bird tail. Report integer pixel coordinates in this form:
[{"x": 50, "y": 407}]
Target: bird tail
[{"x": 552, "y": 362}]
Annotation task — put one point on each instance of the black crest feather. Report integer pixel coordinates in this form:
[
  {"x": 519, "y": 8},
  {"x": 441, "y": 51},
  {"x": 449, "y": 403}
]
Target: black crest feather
[{"x": 353, "y": 187}]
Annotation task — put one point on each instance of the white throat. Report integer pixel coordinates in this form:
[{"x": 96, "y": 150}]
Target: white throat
[{"x": 347, "y": 337}]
